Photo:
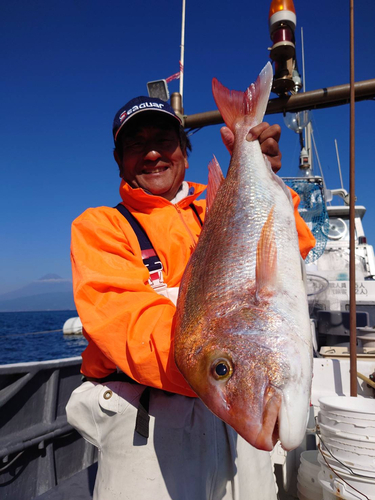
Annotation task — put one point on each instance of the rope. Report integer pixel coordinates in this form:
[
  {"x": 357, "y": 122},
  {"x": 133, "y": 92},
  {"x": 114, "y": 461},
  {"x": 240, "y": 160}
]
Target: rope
[
  {"x": 29, "y": 333},
  {"x": 368, "y": 381},
  {"x": 11, "y": 462}
]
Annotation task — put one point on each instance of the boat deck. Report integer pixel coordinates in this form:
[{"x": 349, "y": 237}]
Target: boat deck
[{"x": 80, "y": 486}]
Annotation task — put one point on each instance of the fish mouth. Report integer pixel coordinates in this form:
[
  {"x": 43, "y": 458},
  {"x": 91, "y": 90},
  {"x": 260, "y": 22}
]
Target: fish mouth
[{"x": 269, "y": 431}]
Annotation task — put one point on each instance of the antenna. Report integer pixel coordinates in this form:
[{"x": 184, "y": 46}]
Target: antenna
[
  {"x": 317, "y": 157},
  {"x": 338, "y": 163},
  {"x": 308, "y": 126},
  {"x": 182, "y": 51},
  {"x": 303, "y": 61}
]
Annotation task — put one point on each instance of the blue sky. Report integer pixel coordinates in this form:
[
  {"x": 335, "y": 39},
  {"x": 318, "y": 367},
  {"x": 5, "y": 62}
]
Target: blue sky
[{"x": 68, "y": 66}]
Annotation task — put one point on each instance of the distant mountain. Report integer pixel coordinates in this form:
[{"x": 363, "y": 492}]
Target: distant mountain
[
  {"x": 50, "y": 277},
  {"x": 51, "y": 292}
]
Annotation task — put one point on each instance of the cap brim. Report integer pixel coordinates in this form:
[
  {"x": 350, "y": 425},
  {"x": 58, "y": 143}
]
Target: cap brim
[{"x": 150, "y": 110}]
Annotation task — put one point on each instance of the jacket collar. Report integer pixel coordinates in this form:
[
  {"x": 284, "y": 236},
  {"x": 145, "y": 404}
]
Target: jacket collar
[{"x": 142, "y": 201}]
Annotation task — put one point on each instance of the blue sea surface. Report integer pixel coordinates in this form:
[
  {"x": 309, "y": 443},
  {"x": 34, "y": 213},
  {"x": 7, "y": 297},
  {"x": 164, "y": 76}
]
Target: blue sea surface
[{"x": 37, "y": 336}]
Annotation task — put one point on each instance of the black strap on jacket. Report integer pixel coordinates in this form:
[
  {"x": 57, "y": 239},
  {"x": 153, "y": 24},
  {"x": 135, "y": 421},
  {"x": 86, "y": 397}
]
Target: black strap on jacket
[
  {"x": 144, "y": 241},
  {"x": 194, "y": 208},
  {"x": 150, "y": 261}
]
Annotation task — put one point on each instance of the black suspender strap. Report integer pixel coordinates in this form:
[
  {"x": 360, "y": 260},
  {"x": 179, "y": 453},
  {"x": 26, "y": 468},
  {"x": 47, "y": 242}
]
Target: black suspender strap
[
  {"x": 194, "y": 208},
  {"x": 149, "y": 256},
  {"x": 143, "y": 239}
]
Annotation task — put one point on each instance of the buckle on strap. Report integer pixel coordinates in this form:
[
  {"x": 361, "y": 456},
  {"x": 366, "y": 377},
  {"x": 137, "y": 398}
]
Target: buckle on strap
[
  {"x": 156, "y": 279},
  {"x": 155, "y": 268}
]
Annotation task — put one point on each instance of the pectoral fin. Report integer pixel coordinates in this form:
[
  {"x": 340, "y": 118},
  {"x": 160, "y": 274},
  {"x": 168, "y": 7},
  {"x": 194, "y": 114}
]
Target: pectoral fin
[{"x": 266, "y": 265}]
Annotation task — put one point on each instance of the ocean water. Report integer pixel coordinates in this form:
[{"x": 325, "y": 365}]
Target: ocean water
[{"x": 37, "y": 336}]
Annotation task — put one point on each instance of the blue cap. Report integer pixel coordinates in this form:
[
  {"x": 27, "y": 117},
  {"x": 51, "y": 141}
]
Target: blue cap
[{"x": 136, "y": 106}]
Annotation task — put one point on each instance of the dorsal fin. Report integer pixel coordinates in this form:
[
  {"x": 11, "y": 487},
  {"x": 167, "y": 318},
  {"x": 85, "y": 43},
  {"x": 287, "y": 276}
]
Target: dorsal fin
[
  {"x": 215, "y": 178},
  {"x": 234, "y": 104},
  {"x": 266, "y": 264}
]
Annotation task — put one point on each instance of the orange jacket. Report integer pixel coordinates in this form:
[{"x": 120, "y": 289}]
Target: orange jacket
[{"x": 129, "y": 325}]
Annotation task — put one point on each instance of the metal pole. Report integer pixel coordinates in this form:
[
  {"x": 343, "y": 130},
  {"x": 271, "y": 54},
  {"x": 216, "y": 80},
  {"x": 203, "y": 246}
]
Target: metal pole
[
  {"x": 314, "y": 99},
  {"x": 176, "y": 103},
  {"x": 182, "y": 52},
  {"x": 353, "y": 319}
]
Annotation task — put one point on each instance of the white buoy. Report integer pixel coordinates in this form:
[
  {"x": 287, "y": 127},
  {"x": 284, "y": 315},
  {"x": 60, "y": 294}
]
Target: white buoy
[{"x": 72, "y": 326}]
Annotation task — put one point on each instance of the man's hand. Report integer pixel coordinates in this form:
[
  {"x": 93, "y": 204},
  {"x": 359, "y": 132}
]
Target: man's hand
[{"x": 268, "y": 137}]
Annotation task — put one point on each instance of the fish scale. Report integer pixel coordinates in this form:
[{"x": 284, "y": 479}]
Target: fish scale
[{"x": 242, "y": 335}]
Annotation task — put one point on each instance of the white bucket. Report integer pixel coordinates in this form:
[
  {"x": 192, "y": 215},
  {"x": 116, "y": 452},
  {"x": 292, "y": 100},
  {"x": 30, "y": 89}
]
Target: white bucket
[
  {"x": 353, "y": 450},
  {"x": 340, "y": 424},
  {"x": 347, "y": 468},
  {"x": 344, "y": 484},
  {"x": 308, "y": 483},
  {"x": 330, "y": 492},
  {"x": 308, "y": 493},
  {"x": 362, "y": 440},
  {"x": 301, "y": 496},
  {"x": 348, "y": 414}
]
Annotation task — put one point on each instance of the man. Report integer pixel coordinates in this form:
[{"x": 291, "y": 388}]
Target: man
[{"x": 127, "y": 313}]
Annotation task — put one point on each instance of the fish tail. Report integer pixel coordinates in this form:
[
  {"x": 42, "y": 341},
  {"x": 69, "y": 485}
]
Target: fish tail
[{"x": 234, "y": 105}]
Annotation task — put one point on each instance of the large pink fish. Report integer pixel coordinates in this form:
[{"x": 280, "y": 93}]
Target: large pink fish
[{"x": 242, "y": 337}]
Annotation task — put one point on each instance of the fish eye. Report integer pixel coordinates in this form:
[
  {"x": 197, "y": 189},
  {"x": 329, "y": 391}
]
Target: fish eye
[{"x": 222, "y": 369}]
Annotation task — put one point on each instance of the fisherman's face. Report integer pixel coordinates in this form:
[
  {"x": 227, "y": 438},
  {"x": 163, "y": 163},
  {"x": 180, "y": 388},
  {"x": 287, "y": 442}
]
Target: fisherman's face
[{"x": 152, "y": 158}]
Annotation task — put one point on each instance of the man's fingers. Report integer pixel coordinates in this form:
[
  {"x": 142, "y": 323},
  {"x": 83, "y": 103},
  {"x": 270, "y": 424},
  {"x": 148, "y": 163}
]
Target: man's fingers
[
  {"x": 264, "y": 131},
  {"x": 270, "y": 147}
]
